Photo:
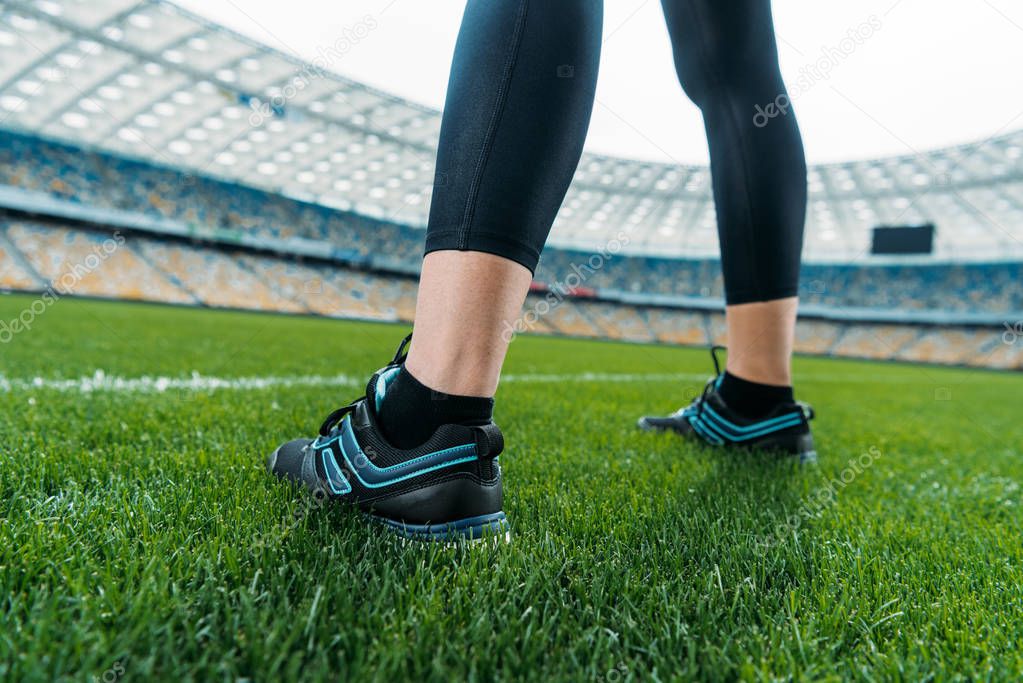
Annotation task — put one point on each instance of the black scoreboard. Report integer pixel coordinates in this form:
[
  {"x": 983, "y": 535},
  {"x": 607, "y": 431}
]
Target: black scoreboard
[{"x": 903, "y": 239}]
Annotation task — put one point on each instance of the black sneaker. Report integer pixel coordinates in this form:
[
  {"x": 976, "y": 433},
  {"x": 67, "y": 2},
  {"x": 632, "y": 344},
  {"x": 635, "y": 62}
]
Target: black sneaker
[
  {"x": 449, "y": 488},
  {"x": 785, "y": 429}
]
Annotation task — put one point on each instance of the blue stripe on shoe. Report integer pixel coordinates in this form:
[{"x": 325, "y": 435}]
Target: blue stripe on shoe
[
  {"x": 335, "y": 477},
  {"x": 371, "y": 476},
  {"x": 728, "y": 424},
  {"x": 710, "y": 424},
  {"x": 697, "y": 425}
]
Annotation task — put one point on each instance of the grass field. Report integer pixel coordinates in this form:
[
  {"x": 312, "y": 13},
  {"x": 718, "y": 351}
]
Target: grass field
[{"x": 140, "y": 536}]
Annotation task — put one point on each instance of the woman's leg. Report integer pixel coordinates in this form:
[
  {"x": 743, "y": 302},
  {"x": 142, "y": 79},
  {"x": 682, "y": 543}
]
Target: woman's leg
[
  {"x": 727, "y": 61},
  {"x": 518, "y": 106},
  {"x": 418, "y": 452}
]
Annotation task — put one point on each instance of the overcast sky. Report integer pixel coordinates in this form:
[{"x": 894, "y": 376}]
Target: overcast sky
[{"x": 922, "y": 73}]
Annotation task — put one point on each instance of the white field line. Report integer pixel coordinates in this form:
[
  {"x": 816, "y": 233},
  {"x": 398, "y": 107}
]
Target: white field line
[
  {"x": 99, "y": 381},
  {"x": 603, "y": 377}
]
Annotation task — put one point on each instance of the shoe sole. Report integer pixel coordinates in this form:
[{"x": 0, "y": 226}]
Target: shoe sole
[
  {"x": 646, "y": 426},
  {"x": 472, "y": 529},
  {"x": 493, "y": 526},
  {"x": 801, "y": 449}
]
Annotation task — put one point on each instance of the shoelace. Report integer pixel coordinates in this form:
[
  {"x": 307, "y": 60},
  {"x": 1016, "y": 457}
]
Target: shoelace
[
  {"x": 334, "y": 419},
  {"x": 699, "y": 402}
]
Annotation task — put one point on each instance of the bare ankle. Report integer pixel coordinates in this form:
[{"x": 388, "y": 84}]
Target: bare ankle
[
  {"x": 462, "y": 376},
  {"x": 760, "y": 339},
  {"x": 466, "y": 301}
]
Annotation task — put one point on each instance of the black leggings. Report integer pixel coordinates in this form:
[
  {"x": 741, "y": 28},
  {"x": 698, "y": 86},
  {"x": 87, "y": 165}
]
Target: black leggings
[{"x": 518, "y": 107}]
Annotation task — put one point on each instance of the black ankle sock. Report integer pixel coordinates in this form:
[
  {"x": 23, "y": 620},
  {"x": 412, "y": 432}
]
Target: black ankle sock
[
  {"x": 411, "y": 411},
  {"x": 752, "y": 399}
]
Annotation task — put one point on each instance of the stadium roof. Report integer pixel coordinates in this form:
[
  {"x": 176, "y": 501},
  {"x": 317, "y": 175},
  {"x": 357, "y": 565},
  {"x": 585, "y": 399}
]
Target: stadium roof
[{"x": 150, "y": 80}]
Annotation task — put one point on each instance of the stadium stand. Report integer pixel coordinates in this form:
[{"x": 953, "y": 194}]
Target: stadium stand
[
  {"x": 620, "y": 322},
  {"x": 214, "y": 278},
  {"x": 143, "y": 268},
  {"x": 874, "y": 341},
  {"x": 90, "y": 264},
  {"x": 102, "y": 180},
  {"x": 816, "y": 337},
  {"x": 15, "y": 273},
  {"x": 1000, "y": 351},
  {"x": 677, "y": 327},
  {"x": 316, "y": 205},
  {"x": 147, "y": 266},
  {"x": 946, "y": 346},
  {"x": 948, "y": 286},
  {"x": 569, "y": 318},
  {"x": 106, "y": 181}
]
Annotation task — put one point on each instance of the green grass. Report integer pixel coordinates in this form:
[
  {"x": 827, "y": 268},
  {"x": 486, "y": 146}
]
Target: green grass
[{"x": 140, "y": 536}]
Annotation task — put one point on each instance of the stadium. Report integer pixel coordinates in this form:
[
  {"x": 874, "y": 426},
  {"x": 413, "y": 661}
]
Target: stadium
[{"x": 203, "y": 239}]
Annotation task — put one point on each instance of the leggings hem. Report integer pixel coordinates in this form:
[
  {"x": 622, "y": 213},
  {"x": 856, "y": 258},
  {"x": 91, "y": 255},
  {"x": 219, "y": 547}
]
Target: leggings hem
[
  {"x": 760, "y": 296},
  {"x": 490, "y": 243}
]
